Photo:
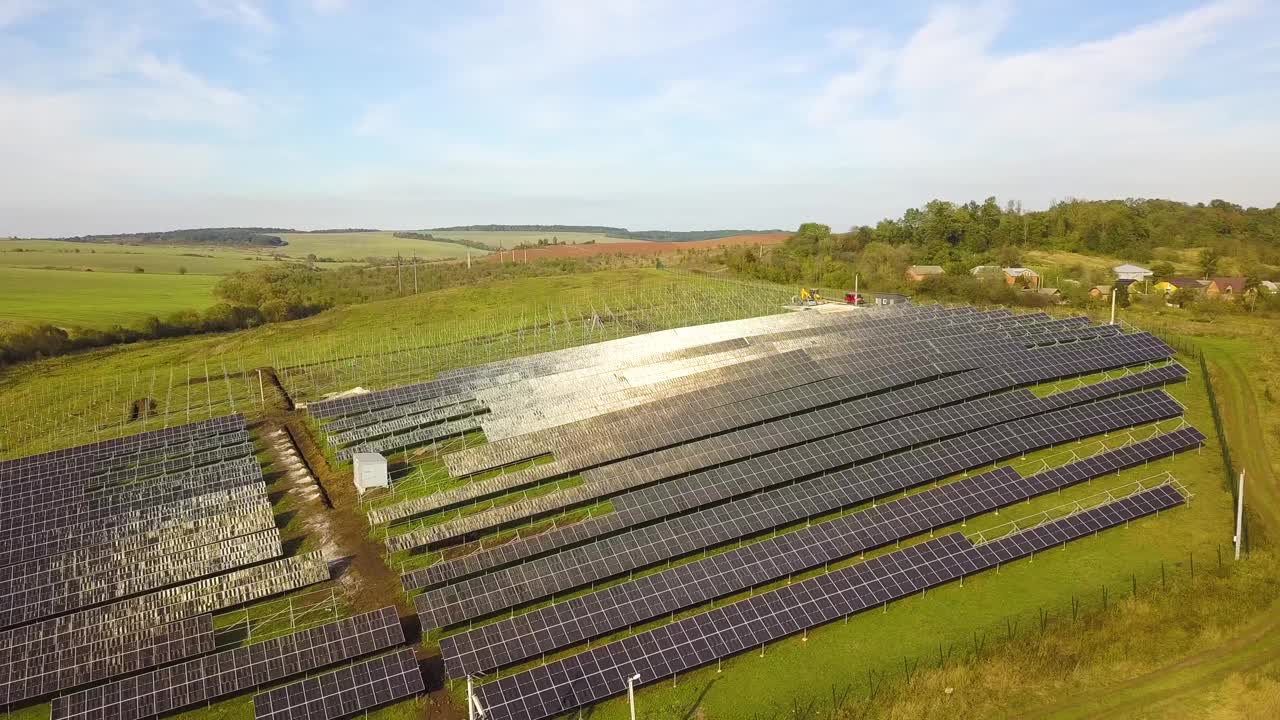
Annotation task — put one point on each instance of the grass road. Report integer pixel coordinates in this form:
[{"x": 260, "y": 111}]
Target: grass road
[{"x": 1180, "y": 688}]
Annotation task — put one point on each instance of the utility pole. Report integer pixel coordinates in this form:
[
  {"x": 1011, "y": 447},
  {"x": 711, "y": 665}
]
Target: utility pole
[
  {"x": 631, "y": 693},
  {"x": 468, "y": 259},
  {"x": 473, "y": 703},
  {"x": 399, "y": 281},
  {"x": 1113, "y": 306},
  {"x": 1239, "y": 538}
]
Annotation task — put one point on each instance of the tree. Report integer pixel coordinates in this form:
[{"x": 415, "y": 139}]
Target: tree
[
  {"x": 182, "y": 269},
  {"x": 1122, "y": 295},
  {"x": 1163, "y": 269},
  {"x": 1210, "y": 257},
  {"x": 1009, "y": 256},
  {"x": 1183, "y": 297}
]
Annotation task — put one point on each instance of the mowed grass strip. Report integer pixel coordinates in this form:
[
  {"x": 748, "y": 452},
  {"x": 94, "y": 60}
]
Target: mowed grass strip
[{"x": 92, "y": 299}]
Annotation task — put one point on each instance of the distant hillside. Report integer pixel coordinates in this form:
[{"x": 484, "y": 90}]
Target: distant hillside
[
  {"x": 613, "y": 232},
  {"x": 229, "y": 237}
]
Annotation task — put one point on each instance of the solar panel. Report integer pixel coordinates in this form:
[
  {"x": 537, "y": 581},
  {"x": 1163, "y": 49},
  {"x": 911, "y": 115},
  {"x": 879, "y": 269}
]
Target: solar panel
[
  {"x": 343, "y": 692},
  {"x": 658, "y": 542},
  {"x": 175, "y": 603},
  {"x": 215, "y": 515},
  {"x": 231, "y": 671},
  {"x": 61, "y": 591},
  {"x": 70, "y": 509},
  {"x": 667, "y": 435},
  {"x": 743, "y": 451},
  {"x": 27, "y": 676},
  {"x": 635, "y": 602},
  {"x": 126, "y": 444},
  {"x": 588, "y": 677}
]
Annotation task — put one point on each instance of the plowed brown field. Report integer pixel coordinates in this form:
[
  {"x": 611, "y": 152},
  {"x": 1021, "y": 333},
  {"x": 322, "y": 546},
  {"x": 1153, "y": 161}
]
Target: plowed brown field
[{"x": 634, "y": 248}]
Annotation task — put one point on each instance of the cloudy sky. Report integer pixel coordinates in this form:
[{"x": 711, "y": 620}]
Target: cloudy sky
[{"x": 126, "y": 116}]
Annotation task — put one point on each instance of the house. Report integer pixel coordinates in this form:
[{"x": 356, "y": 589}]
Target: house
[
  {"x": 1226, "y": 288},
  {"x": 1013, "y": 275},
  {"x": 1100, "y": 291},
  {"x": 1048, "y": 293},
  {"x": 1169, "y": 286},
  {"x": 986, "y": 271},
  {"x": 1131, "y": 272},
  {"x": 916, "y": 273},
  {"x": 891, "y": 299}
]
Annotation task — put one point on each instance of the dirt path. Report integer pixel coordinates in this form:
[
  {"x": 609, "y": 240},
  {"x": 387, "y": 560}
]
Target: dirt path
[
  {"x": 1256, "y": 642},
  {"x": 329, "y": 512}
]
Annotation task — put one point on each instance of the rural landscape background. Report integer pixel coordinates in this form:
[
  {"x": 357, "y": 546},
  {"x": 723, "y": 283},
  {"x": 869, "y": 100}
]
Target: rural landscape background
[{"x": 250, "y": 207}]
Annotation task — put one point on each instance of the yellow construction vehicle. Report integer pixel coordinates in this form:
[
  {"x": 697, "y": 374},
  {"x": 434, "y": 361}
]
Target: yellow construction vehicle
[{"x": 810, "y": 296}]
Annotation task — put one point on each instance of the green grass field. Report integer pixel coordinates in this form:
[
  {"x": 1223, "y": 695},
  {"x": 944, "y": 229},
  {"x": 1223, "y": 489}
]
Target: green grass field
[
  {"x": 98, "y": 299},
  {"x": 153, "y": 259},
  {"x": 358, "y": 246},
  {"x": 511, "y": 239}
]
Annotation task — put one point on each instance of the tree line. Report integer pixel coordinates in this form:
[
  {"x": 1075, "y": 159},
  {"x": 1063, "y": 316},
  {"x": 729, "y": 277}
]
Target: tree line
[{"x": 958, "y": 237}]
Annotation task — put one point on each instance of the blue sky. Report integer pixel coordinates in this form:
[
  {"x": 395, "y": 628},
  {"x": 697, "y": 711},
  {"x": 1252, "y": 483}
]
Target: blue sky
[{"x": 126, "y": 116}]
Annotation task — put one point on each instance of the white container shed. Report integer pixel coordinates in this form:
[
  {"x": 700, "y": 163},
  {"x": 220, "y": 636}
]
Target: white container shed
[{"x": 370, "y": 471}]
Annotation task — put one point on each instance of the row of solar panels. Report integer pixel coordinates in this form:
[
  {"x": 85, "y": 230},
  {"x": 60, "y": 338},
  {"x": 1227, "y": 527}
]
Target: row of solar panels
[
  {"x": 644, "y": 545},
  {"x": 808, "y": 445},
  {"x": 564, "y": 685},
  {"x": 641, "y": 348},
  {"x": 216, "y": 675},
  {"x": 636, "y": 602},
  {"x": 420, "y": 414},
  {"x": 675, "y": 432}
]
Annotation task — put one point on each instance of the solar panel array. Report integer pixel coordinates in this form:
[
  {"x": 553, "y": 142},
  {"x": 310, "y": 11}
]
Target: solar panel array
[
  {"x": 685, "y": 441},
  {"x": 596, "y": 674},
  {"x": 343, "y": 692},
  {"x": 231, "y": 671},
  {"x": 114, "y": 555},
  {"x": 825, "y": 434},
  {"x": 635, "y": 602},
  {"x": 26, "y": 674},
  {"x": 756, "y": 513}
]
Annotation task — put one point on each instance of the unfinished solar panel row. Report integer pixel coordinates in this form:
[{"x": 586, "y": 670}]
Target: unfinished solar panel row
[{"x": 55, "y": 592}]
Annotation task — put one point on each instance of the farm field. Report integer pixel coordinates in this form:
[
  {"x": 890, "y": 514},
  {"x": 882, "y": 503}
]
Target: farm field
[
  {"x": 640, "y": 248},
  {"x": 511, "y": 238},
  {"x": 98, "y": 299},
  {"x": 154, "y": 259},
  {"x": 358, "y": 246}
]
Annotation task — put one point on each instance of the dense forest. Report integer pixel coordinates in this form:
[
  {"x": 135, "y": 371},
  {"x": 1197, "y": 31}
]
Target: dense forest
[
  {"x": 1218, "y": 238},
  {"x": 613, "y": 232}
]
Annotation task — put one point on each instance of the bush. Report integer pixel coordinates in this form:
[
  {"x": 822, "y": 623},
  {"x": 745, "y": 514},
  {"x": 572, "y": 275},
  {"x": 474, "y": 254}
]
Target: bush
[{"x": 138, "y": 269}]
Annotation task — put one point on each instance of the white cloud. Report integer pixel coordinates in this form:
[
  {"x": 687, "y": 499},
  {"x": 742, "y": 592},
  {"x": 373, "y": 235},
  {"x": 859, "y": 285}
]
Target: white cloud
[
  {"x": 13, "y": 12},
  {"x": 245, "y": 13}
]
